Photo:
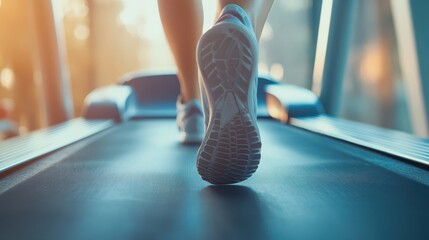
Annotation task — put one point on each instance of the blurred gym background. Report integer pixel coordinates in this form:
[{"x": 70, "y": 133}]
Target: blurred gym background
[{"x": 104, "y": 39}]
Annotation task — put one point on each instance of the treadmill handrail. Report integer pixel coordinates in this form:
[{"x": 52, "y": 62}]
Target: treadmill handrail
[{"x": 116, "y": 102}]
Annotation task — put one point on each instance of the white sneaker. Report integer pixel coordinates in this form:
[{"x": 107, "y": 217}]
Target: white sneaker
[
  {"x": 227, "y": 57},
  {"x": 190, "y": 121}
]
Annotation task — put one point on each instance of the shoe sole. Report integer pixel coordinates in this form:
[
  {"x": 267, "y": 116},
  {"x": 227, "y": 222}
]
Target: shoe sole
[{"x": 231, "y": 149}]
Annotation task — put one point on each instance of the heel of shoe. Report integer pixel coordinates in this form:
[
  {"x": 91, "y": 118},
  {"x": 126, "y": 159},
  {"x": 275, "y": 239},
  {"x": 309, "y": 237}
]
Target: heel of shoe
[{"x": 232, "y": 153}]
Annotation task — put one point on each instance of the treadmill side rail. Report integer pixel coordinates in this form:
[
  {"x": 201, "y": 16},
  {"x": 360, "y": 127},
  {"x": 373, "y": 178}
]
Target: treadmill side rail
[
  {"x": 392, "y": 142},
  {"x": 301, "y": 108},
  {"x": 18, "y": 150}
]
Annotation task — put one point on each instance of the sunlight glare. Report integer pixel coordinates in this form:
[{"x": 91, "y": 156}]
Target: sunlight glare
[
  {"x": 142, "y": 19},
  {"x": 322, "y": 45},
  {"x": 7, "y": 78},
  {"x": 267, "y": 32},
  {"x": 75, "y": 8},
  {"x": 277, "y": 71},
  {"x": 81, "y": 32}
]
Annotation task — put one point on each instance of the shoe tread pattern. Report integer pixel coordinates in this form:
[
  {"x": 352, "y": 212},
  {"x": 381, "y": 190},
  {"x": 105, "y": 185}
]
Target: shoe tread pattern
[{"x": 230, "y": 151}]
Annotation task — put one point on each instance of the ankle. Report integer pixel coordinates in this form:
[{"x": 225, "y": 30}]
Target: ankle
[{"x": 186, "y": 99}]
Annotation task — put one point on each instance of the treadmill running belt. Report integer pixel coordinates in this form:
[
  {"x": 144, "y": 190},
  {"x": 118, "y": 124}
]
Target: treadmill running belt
[{"x": 138, "y": 182}]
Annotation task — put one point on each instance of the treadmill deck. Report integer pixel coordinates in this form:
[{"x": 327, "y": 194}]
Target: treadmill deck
[{"x": 138, "y": 182}]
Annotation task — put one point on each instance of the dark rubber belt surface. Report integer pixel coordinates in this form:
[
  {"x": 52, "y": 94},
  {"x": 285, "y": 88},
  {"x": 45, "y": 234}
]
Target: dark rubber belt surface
[{"x": 138, "y": 182}]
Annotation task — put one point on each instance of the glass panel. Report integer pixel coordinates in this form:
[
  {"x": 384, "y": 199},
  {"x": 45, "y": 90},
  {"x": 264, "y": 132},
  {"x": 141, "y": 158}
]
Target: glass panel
[
  {"x": 373, "y": 88},
  {"x": 286, "y": 43},
  {"x": 20, "y": 92},
  {"x": 108, "y": 38}
]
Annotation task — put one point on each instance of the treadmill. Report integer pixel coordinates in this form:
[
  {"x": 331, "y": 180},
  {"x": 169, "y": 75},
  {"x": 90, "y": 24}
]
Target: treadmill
[{"x": 119, "y": 172}]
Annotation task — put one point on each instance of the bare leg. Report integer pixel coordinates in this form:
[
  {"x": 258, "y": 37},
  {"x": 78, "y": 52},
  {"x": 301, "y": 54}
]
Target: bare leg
[
  {"x": 257, "y": 10},
  {"x": 182, "y": 22}
]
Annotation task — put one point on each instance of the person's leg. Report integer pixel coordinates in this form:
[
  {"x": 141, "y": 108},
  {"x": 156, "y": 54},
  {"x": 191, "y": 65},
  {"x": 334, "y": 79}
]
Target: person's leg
[
  {"x": 182, "y": 22},
  {"x": 257, "y": 10}
]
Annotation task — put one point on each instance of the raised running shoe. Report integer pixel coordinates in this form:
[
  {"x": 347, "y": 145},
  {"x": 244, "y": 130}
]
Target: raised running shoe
[{"x": 227, "y": 57}]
